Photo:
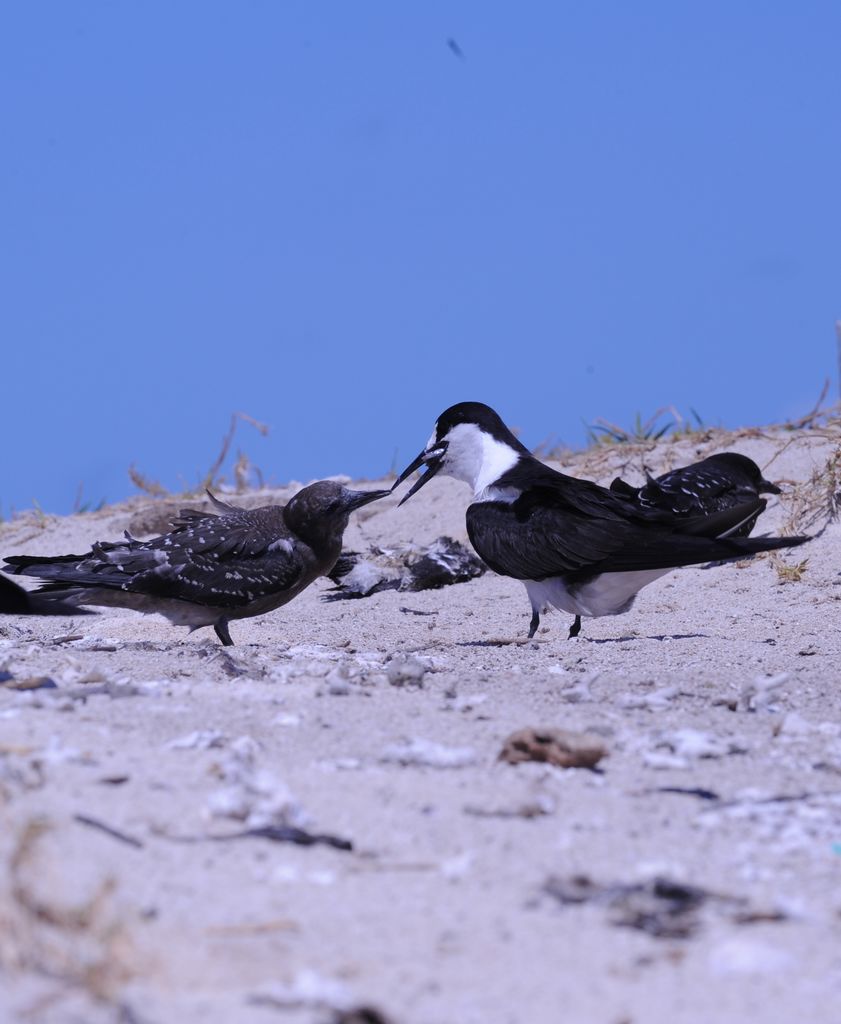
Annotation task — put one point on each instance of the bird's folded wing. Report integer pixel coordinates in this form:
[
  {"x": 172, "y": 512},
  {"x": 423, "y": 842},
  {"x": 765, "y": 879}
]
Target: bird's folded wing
[
  {"x": 539, "y": 540},
  {"x": 232, "y": 581},
  {"x": 227, "y": 560},
  {"x": 704, "y": 480},
  {"x": 247, "y": 532},
  {"x": 723, "y": 522}
]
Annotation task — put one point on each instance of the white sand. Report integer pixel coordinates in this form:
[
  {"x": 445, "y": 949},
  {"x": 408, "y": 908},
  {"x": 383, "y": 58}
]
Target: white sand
[{"x": 439, "y": 915}]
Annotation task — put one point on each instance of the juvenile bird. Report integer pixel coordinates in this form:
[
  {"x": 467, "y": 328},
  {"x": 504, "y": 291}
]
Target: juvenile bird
[
  {"x": 575, "y": 545},
  {"x": 716, "y": 483},
  {"x": 212, "y": 567}
]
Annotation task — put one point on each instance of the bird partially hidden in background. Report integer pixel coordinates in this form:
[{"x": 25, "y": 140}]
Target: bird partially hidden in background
[
  {"x": 575, "y": 545},
  {"x": 714, "y": 484},
  {"x": 14, "y": 600},
  {"x": 212, "y": 567}
]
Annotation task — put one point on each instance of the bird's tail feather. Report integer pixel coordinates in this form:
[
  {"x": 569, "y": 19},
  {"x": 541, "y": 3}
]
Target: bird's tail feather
[
  {"x": 63, "y": 573},
  {"x": 688, "y": 550},
  {"x": 21, "y": 565}
]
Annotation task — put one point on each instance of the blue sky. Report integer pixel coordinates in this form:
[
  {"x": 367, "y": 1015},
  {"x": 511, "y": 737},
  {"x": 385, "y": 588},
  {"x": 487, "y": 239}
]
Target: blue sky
[{"x": 319, "y": 214}]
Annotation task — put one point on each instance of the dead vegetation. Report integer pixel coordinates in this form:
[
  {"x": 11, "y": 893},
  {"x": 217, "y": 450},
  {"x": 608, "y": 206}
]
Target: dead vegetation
[
  {"x": 244, "y": 474},
  {"x": 810, "y": 504},
  {"x": 789, "y": 573},
  {"x": 817, "y": 501},
  {"x": 80, "y": 946}
]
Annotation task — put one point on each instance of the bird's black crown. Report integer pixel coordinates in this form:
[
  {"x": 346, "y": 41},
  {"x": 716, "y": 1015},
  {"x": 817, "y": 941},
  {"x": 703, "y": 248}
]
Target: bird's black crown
[{"x": 482, "y": 416}]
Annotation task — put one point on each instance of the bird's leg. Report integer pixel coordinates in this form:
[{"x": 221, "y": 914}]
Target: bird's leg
[
  {"x": 221, "y": 630},
  {"x": 575, "y": 628},
  {"x": 535, "y": 622}
]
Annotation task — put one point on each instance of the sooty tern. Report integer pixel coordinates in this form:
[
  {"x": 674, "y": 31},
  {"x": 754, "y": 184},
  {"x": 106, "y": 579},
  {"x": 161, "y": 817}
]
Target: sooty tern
[
  {"x": 575, "y": 545},
  {"x": 213, "y": 566}
]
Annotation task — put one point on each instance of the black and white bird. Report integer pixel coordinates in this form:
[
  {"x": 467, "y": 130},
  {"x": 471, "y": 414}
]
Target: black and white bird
[
  {"x": 577, "y": 546},
  {"x": 212, "y": 567},
  {"x": 714, "y": 484}
]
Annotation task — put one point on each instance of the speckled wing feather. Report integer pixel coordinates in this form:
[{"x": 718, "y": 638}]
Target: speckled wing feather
[
  {"x": 713, "y": 485},
  {"x": 224, "y": 560},
  {"x": 693, "y": 489}
]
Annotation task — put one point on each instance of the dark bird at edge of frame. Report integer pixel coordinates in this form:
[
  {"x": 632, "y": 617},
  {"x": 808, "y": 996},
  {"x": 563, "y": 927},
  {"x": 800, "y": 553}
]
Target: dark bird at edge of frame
[
  {"x": 212, "y": 567},
  {"x": 14, "y": 600}
]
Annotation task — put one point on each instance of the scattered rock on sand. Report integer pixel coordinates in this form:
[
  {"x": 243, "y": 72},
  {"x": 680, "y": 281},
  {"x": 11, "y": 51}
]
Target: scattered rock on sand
[
  {"x": 405, "y": 671},
  {"x": 760, "y": 693},
  {"x": 661, "y": 907},
  {"x": 250, "y": 794},
  {"x": 560, "y": 747},
  {"x": 200, "y": 739}
]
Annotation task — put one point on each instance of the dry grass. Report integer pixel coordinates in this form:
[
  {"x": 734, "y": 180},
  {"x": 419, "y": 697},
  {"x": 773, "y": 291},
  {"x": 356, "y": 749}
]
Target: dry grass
[
  {"x": 789, "y": 573},
  {"x": 818, "y": 500},
  {"x": 244, "y": 474},
  {"x": 79, "y": 946}
]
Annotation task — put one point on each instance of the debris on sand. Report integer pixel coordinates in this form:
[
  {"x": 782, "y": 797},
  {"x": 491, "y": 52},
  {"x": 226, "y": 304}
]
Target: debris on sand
[
  {"x": 289, "y": 834},
  {"x": 560, "y": 747},
  {"x": 657, "y": 700},
  {"x": 361, "y": 1015},
  {"x": 539, "y": 807},
  {"x": 74, "y": 933},
  {"x": 28, "y": 683},
  {"x": 428, "y": 754},
  {"x": 200, "y": 739},
  {"x": 405, "y": 671},
  {"x": 661, "y": 907},
  {"x": 109, "y": 830},
  {"x": 250, "y": 794},
  {"x": 274, "y": 833},
  {"x": 760, "y": 693},
  {"x": 687, "y": 745},
  {"x": 408, "y": 567}
]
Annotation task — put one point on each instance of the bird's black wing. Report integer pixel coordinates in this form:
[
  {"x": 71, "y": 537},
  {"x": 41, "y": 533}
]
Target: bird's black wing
[
  {"x": 548, "y": 487},
  {"x": 539, "y": 535},
  {"x": 619, "y": 486}
]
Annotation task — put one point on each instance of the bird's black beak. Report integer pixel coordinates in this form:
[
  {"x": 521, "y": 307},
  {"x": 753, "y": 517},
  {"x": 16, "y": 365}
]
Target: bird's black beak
[
  {"x": 766, "y": 487},
  {"x": 432, "y": 459},
  {"x": 356, "y": 499}
]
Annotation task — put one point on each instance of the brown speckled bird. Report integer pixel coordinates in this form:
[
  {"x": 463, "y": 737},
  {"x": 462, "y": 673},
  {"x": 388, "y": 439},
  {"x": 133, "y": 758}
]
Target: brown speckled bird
[{"x": 212, "y": 566}]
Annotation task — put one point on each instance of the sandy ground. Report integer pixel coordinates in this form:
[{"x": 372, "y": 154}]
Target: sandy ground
[{"x": 446, "y": 911}]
